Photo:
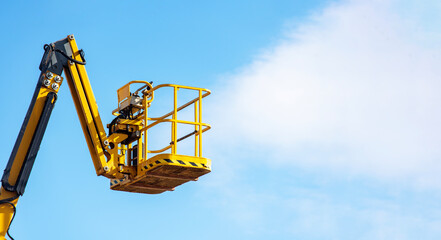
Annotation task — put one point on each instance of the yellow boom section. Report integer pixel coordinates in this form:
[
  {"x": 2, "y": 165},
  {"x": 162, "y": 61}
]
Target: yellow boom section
[
  {"x": 22, "y": 158},
  {"x": 87, "y": 109}
]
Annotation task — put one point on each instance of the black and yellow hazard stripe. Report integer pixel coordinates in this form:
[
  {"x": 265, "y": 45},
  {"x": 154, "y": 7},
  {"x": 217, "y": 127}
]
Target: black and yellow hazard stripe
[
  {"x": 175, "y": 162},
  {"x": 115, "y": 181},
  {"x": 165, "y": 161}
]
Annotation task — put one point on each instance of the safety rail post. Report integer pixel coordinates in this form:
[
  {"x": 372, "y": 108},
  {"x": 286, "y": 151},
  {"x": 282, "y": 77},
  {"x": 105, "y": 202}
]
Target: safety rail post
[
  {"x": 200, "y": 123},
  {"x": 146, "y": 122},
  {"x": 174, "y": 123},
  {"x": 196, "y": 129}
]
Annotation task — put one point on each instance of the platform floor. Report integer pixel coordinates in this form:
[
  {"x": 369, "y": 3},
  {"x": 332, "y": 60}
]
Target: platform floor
[{"x": 163, "y": 173}]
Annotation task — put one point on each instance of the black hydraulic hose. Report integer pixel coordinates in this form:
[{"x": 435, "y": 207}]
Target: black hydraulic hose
[
  {"x": 13, "y": 216},
  {"x": 8, "y": 201},
  {"x": 66, "y": 56}
]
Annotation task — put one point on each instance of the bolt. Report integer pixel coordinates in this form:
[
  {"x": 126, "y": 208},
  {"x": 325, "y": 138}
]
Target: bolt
[
  {"x": 106, "y": 142},
  {"x": 46, "y": 83},
  {"x": 71, "y": 63},
  {"x": 54, "y": 86},
  {"x": 106, "y": 168},
  {"x": 71, "y": 37},
  {"x": 57, "y": 79},
  {"x": 49, "y": 75}
]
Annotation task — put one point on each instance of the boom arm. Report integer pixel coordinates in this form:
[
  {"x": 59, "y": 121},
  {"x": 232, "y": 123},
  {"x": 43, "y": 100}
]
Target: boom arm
[
  {"x": 123, "y": 155},
  {"x": 87, "y": 109},
  {"x": 19, "y": 166},
  {"x": 58, "y": 56}
]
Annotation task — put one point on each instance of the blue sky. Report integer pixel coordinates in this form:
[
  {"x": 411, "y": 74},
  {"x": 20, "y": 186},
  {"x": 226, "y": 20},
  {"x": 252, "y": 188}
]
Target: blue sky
[{"x": 324, "y": 115}]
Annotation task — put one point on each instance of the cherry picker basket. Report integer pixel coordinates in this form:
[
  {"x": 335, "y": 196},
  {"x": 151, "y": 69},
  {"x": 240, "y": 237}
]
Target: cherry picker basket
[{"x": 164, "y": 169}]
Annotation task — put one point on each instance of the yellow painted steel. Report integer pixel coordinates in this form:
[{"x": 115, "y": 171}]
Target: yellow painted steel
[
  {"x": 143, "y": 179},
  {"x": 87, "y": 109},
  {"x": 158, "y": 174},
  {"x": 6, "y": 210},
  {"x": 123, "y": 156},
  {"x": 196, "y": 128},
  {"x": 123, "y": 93},
  {"x": 88, "y": 90},
  {"x": 29, "y": 132},
  {"x": 6, "y": 213},
  {"x": 200, "y": 127},
  {"x": 86, "y": 120},
  {"x": 184, "y": 159}
]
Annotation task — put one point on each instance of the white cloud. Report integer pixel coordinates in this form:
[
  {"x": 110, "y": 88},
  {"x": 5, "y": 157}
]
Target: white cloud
[
  {"x": 352, "y": 93},
  {"x": 355, "y": 90}
]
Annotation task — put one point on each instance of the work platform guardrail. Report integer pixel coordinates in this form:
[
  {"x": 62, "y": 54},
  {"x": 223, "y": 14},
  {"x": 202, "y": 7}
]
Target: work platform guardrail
[{"x": 149, "y": 122}]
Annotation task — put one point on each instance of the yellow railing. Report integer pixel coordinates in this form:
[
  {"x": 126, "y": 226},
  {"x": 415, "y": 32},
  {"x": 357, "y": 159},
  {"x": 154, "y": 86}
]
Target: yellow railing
[{"x": 171, "y": 117}]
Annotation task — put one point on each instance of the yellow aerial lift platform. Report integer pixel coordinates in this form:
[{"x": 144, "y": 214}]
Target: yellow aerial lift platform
[
  {"x": 123, "y": 155},
  {"x": 162, "y": 172}
]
